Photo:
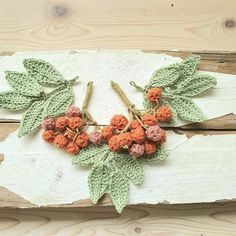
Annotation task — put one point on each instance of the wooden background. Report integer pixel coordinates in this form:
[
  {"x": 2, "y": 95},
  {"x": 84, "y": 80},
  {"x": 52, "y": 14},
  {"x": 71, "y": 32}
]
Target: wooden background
[{"x": 191, "y": 25}]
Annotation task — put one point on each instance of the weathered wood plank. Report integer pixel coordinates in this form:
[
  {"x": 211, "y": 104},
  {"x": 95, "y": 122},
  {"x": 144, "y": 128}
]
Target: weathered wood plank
[
  {"x": 59, "y": 24},
  {"x": 223, "y": 62}
]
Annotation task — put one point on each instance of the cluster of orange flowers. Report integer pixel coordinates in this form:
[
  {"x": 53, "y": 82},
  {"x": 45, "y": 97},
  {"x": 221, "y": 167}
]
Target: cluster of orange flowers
[
  {"x": 66, "y": 131},
  {"x": 140, "y": 137}
]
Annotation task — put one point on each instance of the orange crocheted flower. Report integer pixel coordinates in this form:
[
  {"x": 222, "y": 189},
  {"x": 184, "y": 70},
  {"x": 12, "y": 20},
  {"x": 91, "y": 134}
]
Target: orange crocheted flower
[
  {"x": 149, "y": 119},
  {"x": 125, "y": 139},
  {"x": 154, "y": 94},
  {"x": 48, "y": 136},
  {"x": 75, "y": 123},
  {"x": 164, "y": 114},
  {"x": 113, "y": 143},
  {"x": 118, "y": 122},
  {"x": 60, "y": 141},
  {"x": 107, "y": 132},
  {"x": 82, "y": 140},
  {"x": 138, "y": 135},
  {"x": 163, "y": 138},
  {"x": 135, "y": 124},
  {"x": 149, "y": 147},
  {"x": 61, "y": 123},
  {"x": 72, "y": 148}
]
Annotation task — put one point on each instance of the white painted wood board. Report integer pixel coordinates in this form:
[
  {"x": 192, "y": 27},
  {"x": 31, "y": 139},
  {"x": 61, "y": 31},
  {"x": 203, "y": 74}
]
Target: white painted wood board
[{"x": 199, "y": 169}]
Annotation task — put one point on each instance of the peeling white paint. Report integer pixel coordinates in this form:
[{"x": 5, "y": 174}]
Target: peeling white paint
[
  {"x": 199, "y": 169},
  {"x": 101, "y": 66}
]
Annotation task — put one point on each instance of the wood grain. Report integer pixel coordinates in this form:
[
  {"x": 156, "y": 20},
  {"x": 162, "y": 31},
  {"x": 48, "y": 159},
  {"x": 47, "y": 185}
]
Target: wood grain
[
  {"x": 163, "y": 24},
  {"x": 185, "y": 220}
]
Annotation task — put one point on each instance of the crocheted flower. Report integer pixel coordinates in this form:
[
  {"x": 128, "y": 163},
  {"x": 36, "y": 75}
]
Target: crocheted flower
[
  {"x": 61, "y": 123},
  {"x": 75, "y": 123},
  {"x": 113, "y": 143},
  {"x": 48, "y": 123},
  {"x": 164, "y": 114},
  {"x": 73, "y": 111},
  {"x": 72, "y": 148},
  {"x": 82, "y": 140},
  {"x": 107, "y": 132},
  {"x": 163, "y": 138},
  {"x": 125, "y": 140},
  {"x": 136, "y": 150},
  {"x": 118, "y": 122},
  {"x": 154, "y": 94},
  {"x": 135, "y": 124},
  {"x": 48, "y": 136},
  {"x": 95, "y": 137},
  {"x": 138, "y": 134},
  {"x": 60, "y": 141},
  {"x": 149, "y": 147},
  {"x": 154, "y": 133},
  {"x": 149, "y": 119}
]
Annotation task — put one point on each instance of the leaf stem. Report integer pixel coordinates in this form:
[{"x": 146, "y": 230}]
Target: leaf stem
[
  {"x": 125, "y": 99},
  {"x": 132, "y": 83}
]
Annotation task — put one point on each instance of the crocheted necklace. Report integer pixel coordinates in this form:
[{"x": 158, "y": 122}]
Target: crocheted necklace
[{"x": 115, "y": 153}]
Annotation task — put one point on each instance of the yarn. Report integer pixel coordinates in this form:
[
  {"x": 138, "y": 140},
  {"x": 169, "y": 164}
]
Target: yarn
[
  {"x": 149, "y": 147},
  {"x": 73, "y": 111},
  {"x": 149, "y": 119},
  {"x": 72, "y": 148},
  {"x": 61, "y": 123},
  {"x": 136, "y": 150},
  {"x": 48, "y": 123},
  {"x": 107, "y": 132},
  {"x": 75, "y": 123},
  {"x": 60, "y": 141},
  {"x": 48, "y": 136},
  {"x": 82, "y": 140},
  {"x": 154, "y": 133},
  {"x": 178, "y": 82},
  {"x": 164, "y": 114},
  {"x": 118, "y": 122},
  {"x": 95, "y": 137}
]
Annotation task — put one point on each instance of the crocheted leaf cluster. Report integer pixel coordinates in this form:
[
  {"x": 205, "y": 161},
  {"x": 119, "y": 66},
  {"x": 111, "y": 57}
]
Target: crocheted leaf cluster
[
  {"x": 28, "y": 94},
  {"x": 118, "y": 156},
  {"x": 110, "y": 173},
  {"x": 175, "y": 85}
]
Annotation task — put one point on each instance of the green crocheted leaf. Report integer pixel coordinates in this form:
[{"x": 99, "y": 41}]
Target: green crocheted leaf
[
  {"x": 161, "y": 154},
  {"x": 187, "y": 109},
  {"x": 32, "y": 118},
  {"x": 131, "y": 168},
  {"x": 195, "y": 85},
  {"x": 23, "y": 84},
  {"x": 91, "y": 155},
  {"x": 14, "y": 101},
  {"x": 58, "y": 101},
  {"x": 189, "y": 66},
  {"x": 119, "y": 190},
  {"x": 166, "y": 76},
  {"x": 43, "y": 72},
  {"x": 98, "y": 181}
]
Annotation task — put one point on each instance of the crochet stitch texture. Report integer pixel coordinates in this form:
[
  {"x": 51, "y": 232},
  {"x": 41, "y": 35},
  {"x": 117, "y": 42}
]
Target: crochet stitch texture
[
  {"x": 28, "y": 93},
  {"x": 179, "y": 83}
]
